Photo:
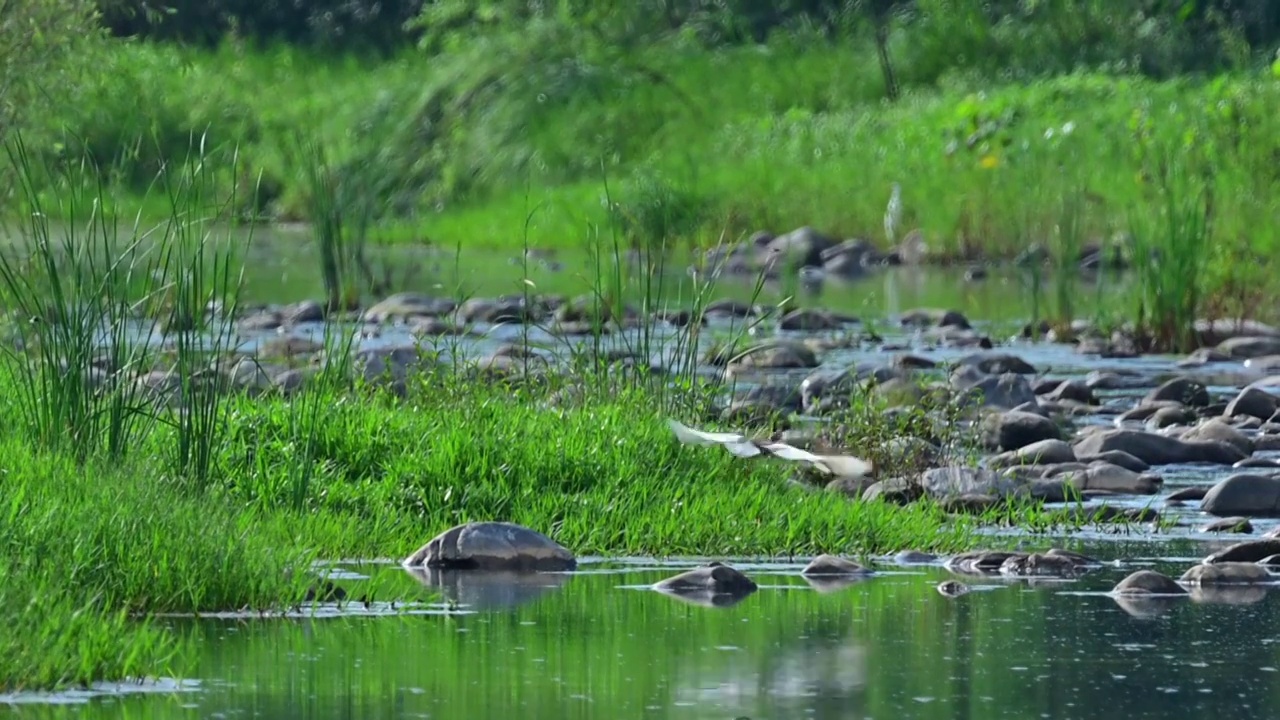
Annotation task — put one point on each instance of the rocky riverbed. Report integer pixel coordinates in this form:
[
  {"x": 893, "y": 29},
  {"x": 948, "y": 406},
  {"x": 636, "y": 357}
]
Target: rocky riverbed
[{"x": 1079, "y": 413}]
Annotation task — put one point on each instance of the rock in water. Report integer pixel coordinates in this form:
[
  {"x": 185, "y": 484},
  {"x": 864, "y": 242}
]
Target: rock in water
[
  {"x": 1245, "y": 552},
  {"x": 492, "y": 546},
  {"x": 831, "y": 565},
  {"x": 1148, "y": 582},
  {"x": 952, "y": 589},
  {"x": 1227, "y": 573},
  {"x": 715, "y": 578},
  {"x": 1244, "y": 494}
]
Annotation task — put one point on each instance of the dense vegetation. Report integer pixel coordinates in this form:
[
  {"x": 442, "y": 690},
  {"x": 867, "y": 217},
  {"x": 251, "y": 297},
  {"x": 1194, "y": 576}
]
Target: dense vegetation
[{"x": 703, "y": 120}]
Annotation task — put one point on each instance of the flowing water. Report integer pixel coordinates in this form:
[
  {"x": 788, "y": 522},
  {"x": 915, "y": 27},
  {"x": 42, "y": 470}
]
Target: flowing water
[{"x": 599, "y": 643}]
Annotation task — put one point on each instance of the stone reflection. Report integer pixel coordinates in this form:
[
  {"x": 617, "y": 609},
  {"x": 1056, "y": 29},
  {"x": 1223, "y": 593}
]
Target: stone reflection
[
  {"x": 1229, "y": 594},
  {"x": 1147, "y": 607},
  {"x": 489, "y": 590},
  {"x": 706, "y": 598},
  {"x": 827, "y": 676}
]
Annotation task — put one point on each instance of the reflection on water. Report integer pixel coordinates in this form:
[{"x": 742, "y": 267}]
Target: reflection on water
[
  {"x": 489, "y": 590},
  {"x": 605, "y": 645}
]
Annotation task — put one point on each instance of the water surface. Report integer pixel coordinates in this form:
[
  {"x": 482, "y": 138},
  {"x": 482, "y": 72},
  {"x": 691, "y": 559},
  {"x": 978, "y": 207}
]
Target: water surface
[{"x": 600, "y": 644}]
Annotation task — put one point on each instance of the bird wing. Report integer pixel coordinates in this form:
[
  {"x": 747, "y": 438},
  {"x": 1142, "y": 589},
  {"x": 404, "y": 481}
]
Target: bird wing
[
  {"x": 846, "y": 465},
  {"x": 839, "y": 465},
  {"x": 689, "y": 436},
  {"x": 789, "y": 452}
]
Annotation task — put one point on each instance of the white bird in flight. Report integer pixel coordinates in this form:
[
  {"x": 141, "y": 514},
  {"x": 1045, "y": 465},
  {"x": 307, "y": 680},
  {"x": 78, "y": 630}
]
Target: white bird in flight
[{"x": 741, "y": 446}]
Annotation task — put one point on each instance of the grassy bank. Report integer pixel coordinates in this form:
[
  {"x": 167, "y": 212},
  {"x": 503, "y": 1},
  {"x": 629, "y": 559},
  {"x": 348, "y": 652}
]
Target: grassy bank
[
  {"x": 715, "y": 142},
  {"x": 148, "y": 472},
  {"x": 96, "y": 547},
  {"x": 138, "y": 482},
  {"x": 691, "y": 146}
]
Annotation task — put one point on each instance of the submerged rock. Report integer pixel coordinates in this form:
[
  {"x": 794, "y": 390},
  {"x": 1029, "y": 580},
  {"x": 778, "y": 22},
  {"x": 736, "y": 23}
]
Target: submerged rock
[
  {"x": 914, "y": 557},
  {"x": 952, "y": 588},
  {"x": 1247, "y": 552},
  {"x": 1148, "y": 582},
  {"x": 715, "y": 578},
  {"x": 979, "y": 562},
  {"x": 492, "y": 546},
  {"x": 1046, "y": 564},
  {"x": 1227, "y": 573},
  {"x": 1228, "y": 525},
  {"x": 832, "y": 565},
  {"x": 1189, "y": 493}
]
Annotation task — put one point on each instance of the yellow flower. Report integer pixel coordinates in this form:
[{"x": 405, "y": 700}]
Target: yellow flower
[{"x": 989, "y": 161}]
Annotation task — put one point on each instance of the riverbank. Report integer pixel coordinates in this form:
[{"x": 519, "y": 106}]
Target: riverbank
[
  {"x": 691, "y": 148},
  {"x": 714, "y": 145},
  {"x": 194, "y": 475},
  {"x": 103, "y": 545}
]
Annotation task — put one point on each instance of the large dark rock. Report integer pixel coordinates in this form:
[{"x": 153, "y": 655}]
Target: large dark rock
[
  {"x": 1106, "y": 477},
  {"x": 802, "y": 246},
  {"x": 1242, "y": 348},
  {"x": 1226, "y": 573},
  {"x": 1148, "y": 582},
  {"x": 1044, "y": 452},
  {"x": 1004, "y": 391},
  {"x": 1249, "y": 551},
  {"x": 1215, "y": 429},
  {"x": 1244, "y": 494},
  {"x": 1116, "y": 457},
  {"x": 715, "y": 578},
  {"x": 1181, "y": 390},
  {"x": 1156, "y": 449},
  {"x": 1254, "y": 402},
  {"x": 1015, "y": 429},
  {"x": 952, "y": 481},
  {"x": 492, "y": 546}
]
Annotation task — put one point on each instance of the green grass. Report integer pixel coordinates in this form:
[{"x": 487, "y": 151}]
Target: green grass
[
  {"x": 118, "y": 505},
  {"x": 704, "y": 146}
]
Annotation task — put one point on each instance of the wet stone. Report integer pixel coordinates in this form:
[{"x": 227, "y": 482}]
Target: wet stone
[
  {"x": 492, "y": 546},
  {"x": 833, "y": 565},
  {"x": 715, "y": 577},
  {"x": 1228, "y": 525},
  {"x": 1148, "y": 582},
  {"x": 1227, "y": 573}
]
